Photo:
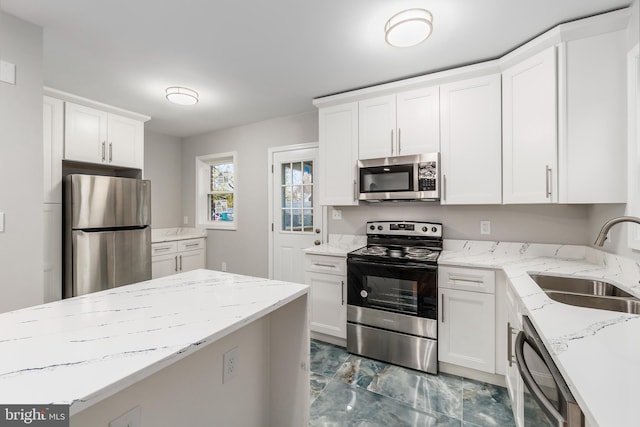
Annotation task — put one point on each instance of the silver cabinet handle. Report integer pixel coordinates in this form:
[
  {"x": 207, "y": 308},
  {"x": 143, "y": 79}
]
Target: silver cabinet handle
[
  {"x": 180, "y": 262},
  {"x": 176, "y": 259},
  {"x": 392, "y": 142},
  {"x": 355, "y": 190},
  {"x": 103, "y": 150},
  {"x": 161, "y": 249},
  {"x": 548, "y": 178},
  {"x": 399, "y": 142},
  {"x": 510, "y": 333},
  {"x": 442, "y": 308},
  {"x": 342, "y": 290},
  {"x": 110, "y": 152},
  {"x": 469, "y": 279},
  {"x": 325, "y": 265},
  {"x": 444, "y": 187},
  {"x": 190, "y": 245}
]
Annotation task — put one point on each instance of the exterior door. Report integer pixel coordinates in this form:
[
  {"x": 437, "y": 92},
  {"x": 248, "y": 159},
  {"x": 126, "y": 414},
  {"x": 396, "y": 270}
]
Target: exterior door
[{"x": 297, "y": 216}]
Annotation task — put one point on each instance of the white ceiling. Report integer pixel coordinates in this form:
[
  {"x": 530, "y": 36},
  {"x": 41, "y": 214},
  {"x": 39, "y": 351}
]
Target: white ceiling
[{"x": 253, "y": 60}]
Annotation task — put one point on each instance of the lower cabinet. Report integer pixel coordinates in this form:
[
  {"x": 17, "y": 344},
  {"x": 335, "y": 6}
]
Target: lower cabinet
[
  {"x": 515, "y": 386},
  {"x": 326, "y": 276},
  {"x": 466, "y": 321},
  {"x": 178, "y": 256}
]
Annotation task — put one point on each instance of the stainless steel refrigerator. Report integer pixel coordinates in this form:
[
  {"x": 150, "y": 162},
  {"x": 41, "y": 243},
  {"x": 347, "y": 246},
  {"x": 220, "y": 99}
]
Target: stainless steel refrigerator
[{"x": 107, "y": 232}]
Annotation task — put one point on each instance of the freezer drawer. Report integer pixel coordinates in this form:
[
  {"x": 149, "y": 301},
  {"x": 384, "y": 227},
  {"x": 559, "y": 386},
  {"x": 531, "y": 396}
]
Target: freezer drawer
[{"x": 106, "y": 259}]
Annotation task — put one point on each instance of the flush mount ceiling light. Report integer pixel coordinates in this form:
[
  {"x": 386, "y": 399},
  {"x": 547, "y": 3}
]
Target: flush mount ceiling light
[
  {"x": 182, "y": 95},
  {"x": 408, "y": 28}
]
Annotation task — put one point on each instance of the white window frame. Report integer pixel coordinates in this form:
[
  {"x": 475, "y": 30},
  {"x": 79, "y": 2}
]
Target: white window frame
[{"x": 203, "y": 179}]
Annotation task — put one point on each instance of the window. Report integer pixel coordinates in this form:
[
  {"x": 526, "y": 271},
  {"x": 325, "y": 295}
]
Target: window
[
  {"x": 216, "y": 202},
  {"x": 297, "y": 196}
]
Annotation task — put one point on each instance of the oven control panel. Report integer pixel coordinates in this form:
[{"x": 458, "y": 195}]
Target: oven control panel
[{"x": 404, "y": 228}]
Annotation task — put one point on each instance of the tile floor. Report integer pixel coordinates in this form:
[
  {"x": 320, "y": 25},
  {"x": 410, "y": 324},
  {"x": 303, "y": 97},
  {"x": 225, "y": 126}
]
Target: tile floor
[{"x": 348, "y": 390}]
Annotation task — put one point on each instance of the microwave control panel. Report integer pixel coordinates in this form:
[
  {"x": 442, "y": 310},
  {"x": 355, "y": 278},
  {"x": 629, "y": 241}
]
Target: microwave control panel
[{"x": 427, "y": 176}]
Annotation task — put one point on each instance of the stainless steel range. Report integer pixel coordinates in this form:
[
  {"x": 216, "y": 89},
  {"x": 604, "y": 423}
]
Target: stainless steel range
[{"x": 392, "y": 294}]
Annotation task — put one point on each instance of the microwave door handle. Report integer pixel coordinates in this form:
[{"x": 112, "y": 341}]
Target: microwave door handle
[{"x": 536, "y": 392}]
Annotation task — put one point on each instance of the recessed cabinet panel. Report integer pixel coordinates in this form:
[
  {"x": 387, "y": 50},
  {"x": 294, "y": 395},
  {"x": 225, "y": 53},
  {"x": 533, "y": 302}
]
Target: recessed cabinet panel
[
  {"x": 529, "y": 102},
  {"x": 85, "y": 134},
  {"x": 53, "y": 141},
  {"x": 377, "y": 124},
  {"x": 124, "y": 148},
  {"x": 471, "y": 158},
  {"x": 418, "y": 121},
  {"x": 328, "y": 309}
]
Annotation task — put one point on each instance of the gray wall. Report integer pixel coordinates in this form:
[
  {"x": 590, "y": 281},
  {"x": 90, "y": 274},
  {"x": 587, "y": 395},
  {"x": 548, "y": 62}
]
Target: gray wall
[
  {"x": 163, "y": 166},
  {"x": 21, "y": 175},
  {"x": 245, "y": 249}
]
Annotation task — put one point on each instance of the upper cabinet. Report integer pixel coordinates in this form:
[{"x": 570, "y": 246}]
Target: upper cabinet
[
  {"x": 338, "y": 129},
  {"x": 52, "y": 140},
  {"x": 401, "y": 124},
  {"x": 529, "y": 130},
  {"x": 471, "y": 143},
  {"x": 96, "y": 136}
]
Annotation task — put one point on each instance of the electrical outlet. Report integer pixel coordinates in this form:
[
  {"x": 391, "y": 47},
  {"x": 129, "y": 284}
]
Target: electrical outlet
[
  {"x": 133, "y": 418},
  {"x": 336, "y": 214},
  {"x": 485, "y": 227},
  {"x": 223, "y": 266},
  {"x": 1, "y": 222},
  {"x": 230, "y": 364}
]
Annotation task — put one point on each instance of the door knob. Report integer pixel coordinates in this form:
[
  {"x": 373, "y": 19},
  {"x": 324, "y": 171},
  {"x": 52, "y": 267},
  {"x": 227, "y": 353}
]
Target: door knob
[
  {"x": 317, "y": 242},
  {"x": 317, "y": 231}
]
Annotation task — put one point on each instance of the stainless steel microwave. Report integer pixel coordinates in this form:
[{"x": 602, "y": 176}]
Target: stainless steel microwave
[{"x": 399, "y": 178}]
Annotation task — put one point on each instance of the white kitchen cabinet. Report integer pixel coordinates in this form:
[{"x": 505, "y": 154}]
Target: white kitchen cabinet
[
  {"x": 326, "y": 276},
  {"x": 96, "y": 136},
  {"x": 52, "y": 252},
  {"x": 529, "y": 121},
  {"x": 177, "y": 256},
  {"x": 338, "y": 151},
  {"x": 515, "y": 386},
  {"x": 401, "y": 124},
  {"x": 471, "y": 141},
  {"x": 52, "y": 145},
  {"x": 466, "y": 321}
]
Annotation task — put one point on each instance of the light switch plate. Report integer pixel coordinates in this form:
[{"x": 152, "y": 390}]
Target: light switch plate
[
  {"x": 7, "y": 72},
  {"x": 1, "y": 222}
]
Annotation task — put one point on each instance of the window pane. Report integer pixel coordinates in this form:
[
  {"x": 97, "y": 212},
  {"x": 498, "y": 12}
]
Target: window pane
[
  {"x": 297, "y": 173},
  {"x": 307, "y": 169},
  {"x": 296, "y": 219},
  {"x": 287, "y": 197},
  {"x": 308, "y": 196},
  {"x": 308, "y": 220},
  {"x": 296, "y": 192},
  {"x": 222, "y": 177},
  {"x": 286, "y": 173},
  {"x": 286, "y": 220},
  {"x": 221, "y": 207}
]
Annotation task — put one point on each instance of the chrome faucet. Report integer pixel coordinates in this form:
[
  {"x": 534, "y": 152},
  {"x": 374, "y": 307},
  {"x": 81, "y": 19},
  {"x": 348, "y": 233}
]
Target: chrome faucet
[{"x": 607, "y": 226}]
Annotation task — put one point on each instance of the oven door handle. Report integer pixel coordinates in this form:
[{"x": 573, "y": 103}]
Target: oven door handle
[
  {"x": 396, "y": 266},
  {"x": 548, "y": 408}
]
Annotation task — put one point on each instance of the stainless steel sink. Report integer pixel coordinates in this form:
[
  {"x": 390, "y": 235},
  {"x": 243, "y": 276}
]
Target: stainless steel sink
[{"x": 587, "y": 293}]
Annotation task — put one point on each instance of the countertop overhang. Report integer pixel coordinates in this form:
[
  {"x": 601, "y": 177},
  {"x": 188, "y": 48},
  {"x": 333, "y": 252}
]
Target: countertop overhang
[{"x": 82, "y": 350}]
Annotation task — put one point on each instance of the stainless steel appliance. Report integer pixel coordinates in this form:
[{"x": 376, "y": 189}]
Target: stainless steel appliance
[
  {"x": 392, "y": 294},
  {"x": 548, "y": 400},
  {"x": 107, "y": 233},
  {"x": 399, "y": 178}
]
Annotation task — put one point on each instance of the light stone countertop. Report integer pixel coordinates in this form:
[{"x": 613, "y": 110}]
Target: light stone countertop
[
  {"x": 338, "y": 245},
  {"x": 159, "y": 235},
  {"x": 81, "y": 350},
  {"x": 597, "y": 351}
]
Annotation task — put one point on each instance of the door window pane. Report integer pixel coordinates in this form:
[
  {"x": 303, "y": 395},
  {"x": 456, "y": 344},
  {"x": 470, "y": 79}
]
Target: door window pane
[{"x": 297, "y": 196}]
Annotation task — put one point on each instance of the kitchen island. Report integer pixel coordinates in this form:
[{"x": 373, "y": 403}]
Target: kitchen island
[{"x": 158, "y": 347}]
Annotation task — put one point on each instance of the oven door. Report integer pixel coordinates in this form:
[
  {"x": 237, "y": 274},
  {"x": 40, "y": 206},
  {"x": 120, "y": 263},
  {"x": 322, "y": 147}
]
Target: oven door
[
  {"x": 547, "y": 398},
  {"x": 410, "y": 289}
]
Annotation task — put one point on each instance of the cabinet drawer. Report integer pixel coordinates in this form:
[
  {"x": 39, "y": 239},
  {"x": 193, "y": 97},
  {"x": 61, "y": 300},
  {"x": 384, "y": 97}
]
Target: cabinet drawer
[
  {"x": 164, "y": 248},
  {"x": 326, "y": 264},
  {"x": 467, "y": 279},
  {"x": 190, "y": 245}
]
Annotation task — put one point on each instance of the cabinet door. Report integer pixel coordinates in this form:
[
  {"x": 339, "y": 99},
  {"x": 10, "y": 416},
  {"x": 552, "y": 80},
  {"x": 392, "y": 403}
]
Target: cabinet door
[
  {"x": 466, "y": 330},
  {"x": 529, "y": 130},
  {"x": 328, "y": 304},
  {"x": 85, "y": 137},
  {"x": 418, "y": 121},
  {"x": 164, "y": 265},
  {"x": 125, "y": 143},
  {"x": 471, "y": 157},
  {"x": 377, "y": 127},
  {"x": 338, "y": 128},
  {"x": 191, "y": 260},
  {"x": 52, "y": 145}
]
